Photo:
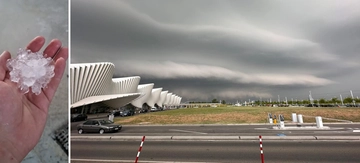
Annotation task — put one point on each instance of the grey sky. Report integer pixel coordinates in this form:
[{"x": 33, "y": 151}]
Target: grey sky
[{"x": 232, "y": 50}]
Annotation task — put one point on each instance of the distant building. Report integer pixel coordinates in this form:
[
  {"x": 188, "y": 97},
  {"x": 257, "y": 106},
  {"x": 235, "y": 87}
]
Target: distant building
[{"x": 93, "y": 83}]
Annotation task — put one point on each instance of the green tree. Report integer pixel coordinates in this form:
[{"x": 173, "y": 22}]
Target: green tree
[
  {"x": 223, "y": 102},
  {"x": 335, "y": 100},
  {"x": 322, "y": 101},
  {"x": 348, "y": 100},
  {"x": 297, "y": 102},
  {"x": 214, "y": 101},
  {"x": 305, "y": 102},
  {"x": 316, "y": 101}
]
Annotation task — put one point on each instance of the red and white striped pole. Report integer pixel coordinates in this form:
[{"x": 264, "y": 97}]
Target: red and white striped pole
[
  {"x": 138, "y": 154},
  {"x": 261, "y": 150}
]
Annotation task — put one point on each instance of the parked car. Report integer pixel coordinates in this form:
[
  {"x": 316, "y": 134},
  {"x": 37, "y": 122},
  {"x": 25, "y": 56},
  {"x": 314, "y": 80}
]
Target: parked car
[
  {"x": 78, "y": 117},
  {"x": 127, "y": 113},
  {"x": 100, "y": 126},
  {"x": 143, "y": 111},
  {"x": 153, "y": 109},
  {"x": 115, "y": 112}
]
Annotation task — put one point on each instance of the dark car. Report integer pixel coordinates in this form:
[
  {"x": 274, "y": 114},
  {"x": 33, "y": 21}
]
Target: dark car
[
  {"x": 100, "y": 126},
  {"x": 143, "y": 111},
  {"x": 78, "y": 117},
  {"x": 115, "y": 113},
  {"x": 127, "y": 113}
]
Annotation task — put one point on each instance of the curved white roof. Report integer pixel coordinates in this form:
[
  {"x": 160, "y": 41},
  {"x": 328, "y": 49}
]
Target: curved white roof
[
  {"x": 168, "y": 98},
  {"x": 144, "y": 89},
  {"x": 172, "y": 100},
  {"x": 93, "y": 82},
  {"x": 126, "y": 84},
  {"x": 162, "y": 98},
  {"x": 154, "y": 97},
  {"x": 179, "y": 101}
]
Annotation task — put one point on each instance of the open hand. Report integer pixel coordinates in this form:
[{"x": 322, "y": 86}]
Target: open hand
[{"x": 23, "y": 116}]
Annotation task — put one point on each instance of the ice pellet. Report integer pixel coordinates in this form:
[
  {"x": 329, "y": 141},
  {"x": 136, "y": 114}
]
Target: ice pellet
[{"x": 30, "y": 70}]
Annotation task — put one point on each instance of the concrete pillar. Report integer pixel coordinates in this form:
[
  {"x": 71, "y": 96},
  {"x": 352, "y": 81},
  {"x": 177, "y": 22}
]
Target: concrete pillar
[
  {"x": 300, "y": 118},
  {"x": 294, "y": 118},
  {"x": 84, "y": 109},
  {"x": 319, "y": 123}
]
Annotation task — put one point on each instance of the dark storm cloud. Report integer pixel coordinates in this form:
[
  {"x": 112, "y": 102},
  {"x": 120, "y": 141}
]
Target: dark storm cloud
[
  {"x": 204, "y": 89},
  {"x": 263, "y": 48}
]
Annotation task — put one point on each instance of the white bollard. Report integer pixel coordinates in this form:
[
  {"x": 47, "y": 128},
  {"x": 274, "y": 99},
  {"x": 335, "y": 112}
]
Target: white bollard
[
  {"x": 294, "y": 119},
  {"x": 270, "y": 118},
  {"x": 319, "y": 123},
  {"x": 282, "y": 124},
  {"x": 282, "y": 121},
  {"x": 300, "y": 118},
  {"x": 111, "y": 117}
]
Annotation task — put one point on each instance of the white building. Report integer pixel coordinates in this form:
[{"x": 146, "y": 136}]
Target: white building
[{"x": 92, "y": 83}]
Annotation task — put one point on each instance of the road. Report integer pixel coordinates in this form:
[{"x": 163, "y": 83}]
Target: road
[
  {"x": 217, "y": 151},
  {"x": 231, "y": 130}
]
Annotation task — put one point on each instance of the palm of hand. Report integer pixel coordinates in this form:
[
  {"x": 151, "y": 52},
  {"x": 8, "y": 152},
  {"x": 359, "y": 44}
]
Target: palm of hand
[
  {"x": 21, "y": 119},
  {"x": 23, "y": 116}
]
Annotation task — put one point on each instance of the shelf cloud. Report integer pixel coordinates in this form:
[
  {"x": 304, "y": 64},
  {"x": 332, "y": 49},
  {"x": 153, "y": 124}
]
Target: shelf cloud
[{"x": 259, "y": 49}]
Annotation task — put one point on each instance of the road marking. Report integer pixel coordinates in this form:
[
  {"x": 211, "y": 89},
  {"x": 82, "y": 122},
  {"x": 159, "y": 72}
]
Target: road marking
[
  {"x": 98, "y": 160},
  {"x": 261, "y": 128},
  {"x": 188, "y": 131},
  {"x": 323, "y": 132},
  {"x": 280, "y": 134},
  {"x": 356, "y": 130}
]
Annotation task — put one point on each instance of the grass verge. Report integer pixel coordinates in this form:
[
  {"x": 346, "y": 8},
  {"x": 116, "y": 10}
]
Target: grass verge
[{"x": 236, "y": 115}]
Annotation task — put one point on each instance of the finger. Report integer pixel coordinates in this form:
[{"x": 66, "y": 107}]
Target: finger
[
  {"x": 60, "y": 65},
  {"x": 3, "y": 58},
  {"x": 53, "y": 47},
  {"x": 36, "y": 44},
  {"x": 62, "y": 53}
]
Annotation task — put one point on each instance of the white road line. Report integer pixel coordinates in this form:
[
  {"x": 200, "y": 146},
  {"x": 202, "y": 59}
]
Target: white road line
[
  {"x": 356, "y": 130},
  {"x": 322, "y": 132},
  {"x": 261, "y": 128},
  {"x": 188, "y": 131},
  {"x": 99, "y": 160}
]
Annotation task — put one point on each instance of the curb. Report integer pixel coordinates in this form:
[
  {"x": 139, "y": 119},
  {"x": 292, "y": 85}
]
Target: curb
[
  {"x": 215, "y": 138},
  {"x": 126, "y": 161},
  {"x": 234, "y": 124}
]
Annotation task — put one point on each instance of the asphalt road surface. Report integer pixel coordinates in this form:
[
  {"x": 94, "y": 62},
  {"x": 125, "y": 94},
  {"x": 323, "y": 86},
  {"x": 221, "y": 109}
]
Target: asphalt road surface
[
  {"x": 231, "y": 130},
  {"x": 216, "y": 151}
]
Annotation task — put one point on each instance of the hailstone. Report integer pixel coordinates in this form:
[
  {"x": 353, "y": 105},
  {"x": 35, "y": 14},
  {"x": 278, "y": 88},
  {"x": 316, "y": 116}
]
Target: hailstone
[{"x": 31, "y": 70}]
